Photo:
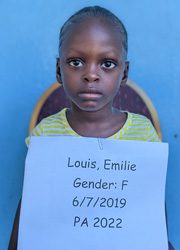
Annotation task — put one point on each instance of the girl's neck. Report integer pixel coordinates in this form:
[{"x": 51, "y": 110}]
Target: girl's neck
[{"x": 96, "y": 124}]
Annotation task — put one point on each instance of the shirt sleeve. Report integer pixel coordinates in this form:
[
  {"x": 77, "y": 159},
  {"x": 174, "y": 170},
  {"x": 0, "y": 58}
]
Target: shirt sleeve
[
  {"x": 37, "y": 131},
  {"x": 152, "y": 135}
]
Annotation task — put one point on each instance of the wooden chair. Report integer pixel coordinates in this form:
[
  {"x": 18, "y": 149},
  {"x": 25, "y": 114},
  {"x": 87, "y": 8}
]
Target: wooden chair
[{"x": 130, "y": 97}]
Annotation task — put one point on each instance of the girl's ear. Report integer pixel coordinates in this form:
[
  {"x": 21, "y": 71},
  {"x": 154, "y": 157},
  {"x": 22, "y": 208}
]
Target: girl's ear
[
  {"x": 126, "y": 70},
  {"x": 58, "y": 72}
]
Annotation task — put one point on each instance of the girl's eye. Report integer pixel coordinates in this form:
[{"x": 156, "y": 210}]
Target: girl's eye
[
  {"x": 75, "y": 63},
  {"x": 108, "y": 64}
]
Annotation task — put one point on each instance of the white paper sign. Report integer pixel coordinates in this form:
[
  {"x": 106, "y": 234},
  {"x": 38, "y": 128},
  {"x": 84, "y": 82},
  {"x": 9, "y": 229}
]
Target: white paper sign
[{"x": 93, "y": 194}]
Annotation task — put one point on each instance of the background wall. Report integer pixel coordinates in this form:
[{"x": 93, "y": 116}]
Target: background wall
[{"x": 28, "y": 49}]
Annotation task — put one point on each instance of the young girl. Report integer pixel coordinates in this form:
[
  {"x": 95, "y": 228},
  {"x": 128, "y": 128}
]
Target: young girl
[{"x": 92, "y": 65}]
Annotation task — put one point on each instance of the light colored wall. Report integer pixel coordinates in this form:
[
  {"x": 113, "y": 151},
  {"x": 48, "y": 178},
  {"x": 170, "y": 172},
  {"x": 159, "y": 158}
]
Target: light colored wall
[{"x": 28, "y": 49}]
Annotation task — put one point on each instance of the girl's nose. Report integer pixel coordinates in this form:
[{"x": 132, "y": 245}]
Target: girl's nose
[
  {"x": 91, "y": 78},
  {"x": 91, "y": 74}
]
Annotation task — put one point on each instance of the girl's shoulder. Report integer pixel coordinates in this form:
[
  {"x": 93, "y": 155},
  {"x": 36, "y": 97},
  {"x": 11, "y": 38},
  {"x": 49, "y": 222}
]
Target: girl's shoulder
[
  {"x": 52, "y": 125},
  {"x": 137, "y": 118},
  {"x": 55, "y": 119},
  {"x": 138, "y": 127}
]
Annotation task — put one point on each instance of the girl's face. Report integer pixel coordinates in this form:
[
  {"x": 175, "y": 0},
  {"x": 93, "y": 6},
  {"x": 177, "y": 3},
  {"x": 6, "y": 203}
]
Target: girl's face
[{"x": 91, "y": 65}]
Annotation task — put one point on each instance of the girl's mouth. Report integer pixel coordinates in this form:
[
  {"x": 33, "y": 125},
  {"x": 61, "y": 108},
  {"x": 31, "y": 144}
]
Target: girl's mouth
[{"x": 90, "y": 94}]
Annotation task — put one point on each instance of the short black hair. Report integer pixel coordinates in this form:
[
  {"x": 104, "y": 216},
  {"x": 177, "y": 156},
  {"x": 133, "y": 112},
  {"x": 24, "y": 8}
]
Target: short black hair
[{"x": 95, "y": 11}]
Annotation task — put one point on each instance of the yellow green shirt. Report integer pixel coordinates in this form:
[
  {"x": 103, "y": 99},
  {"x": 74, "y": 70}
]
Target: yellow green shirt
[{"x": 136, "y": 127}]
